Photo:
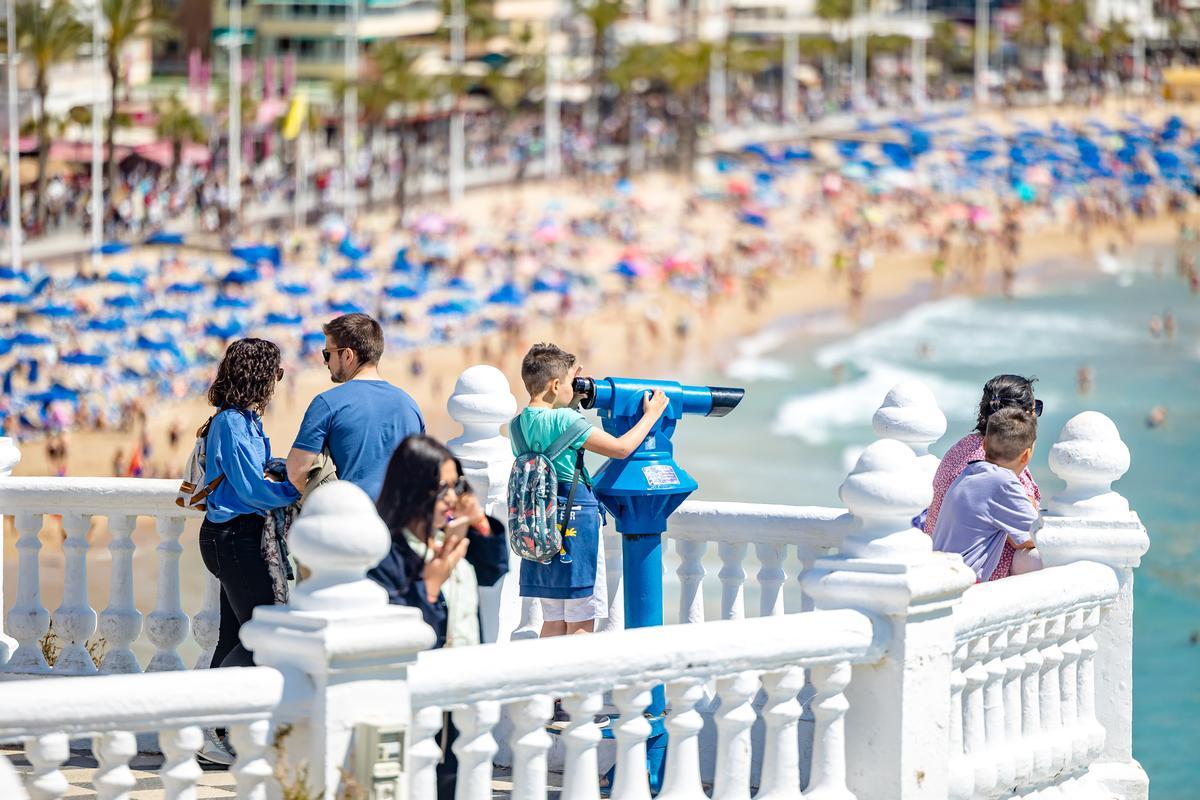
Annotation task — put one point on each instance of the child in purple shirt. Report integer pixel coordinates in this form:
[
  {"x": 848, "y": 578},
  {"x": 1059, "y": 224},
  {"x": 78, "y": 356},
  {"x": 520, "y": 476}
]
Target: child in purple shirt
[{"x": 987, "y": 503}]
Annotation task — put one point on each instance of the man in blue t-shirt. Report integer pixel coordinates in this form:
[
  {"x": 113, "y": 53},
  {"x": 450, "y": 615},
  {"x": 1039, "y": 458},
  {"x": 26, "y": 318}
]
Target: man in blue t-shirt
[{"x": 363, "y": 418}]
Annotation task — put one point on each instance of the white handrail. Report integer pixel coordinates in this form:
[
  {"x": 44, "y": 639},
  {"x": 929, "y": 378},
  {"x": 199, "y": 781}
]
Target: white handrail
[
  {"x": 153, "y": 701},
  {"x": 758, "y": 523},
  {"x": 127, "y": 496},
  {"x": 997, "y": 605},
  {"x": 584, "y": 664}
]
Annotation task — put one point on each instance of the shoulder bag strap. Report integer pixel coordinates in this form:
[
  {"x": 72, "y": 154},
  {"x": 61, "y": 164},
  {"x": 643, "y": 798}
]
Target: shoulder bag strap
[
  {"x": 567, "y": 438},
  {"x": 518, "y": 438},
  {"x": 574, "y": 486}
]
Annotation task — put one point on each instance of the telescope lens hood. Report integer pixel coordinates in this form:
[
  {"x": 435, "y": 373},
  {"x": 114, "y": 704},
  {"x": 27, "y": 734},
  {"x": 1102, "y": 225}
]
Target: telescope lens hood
[
  {"x": 724, "y": 400},
  {"x": 585, "y": 388}
]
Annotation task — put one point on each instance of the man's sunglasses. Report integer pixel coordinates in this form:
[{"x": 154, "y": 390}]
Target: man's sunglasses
[{"x": 325, "y": 354}]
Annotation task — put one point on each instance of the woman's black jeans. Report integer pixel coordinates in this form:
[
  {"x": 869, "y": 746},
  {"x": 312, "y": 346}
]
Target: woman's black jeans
[{"x": 232, "y": 552}]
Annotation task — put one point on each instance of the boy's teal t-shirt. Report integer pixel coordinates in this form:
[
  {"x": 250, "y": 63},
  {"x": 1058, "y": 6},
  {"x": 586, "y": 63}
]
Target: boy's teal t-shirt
[{"x": 541, "y": 426}]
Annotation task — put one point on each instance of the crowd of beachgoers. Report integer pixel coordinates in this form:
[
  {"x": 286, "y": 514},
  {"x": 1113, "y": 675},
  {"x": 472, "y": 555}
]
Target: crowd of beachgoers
[{"x": 88, "y": 349}]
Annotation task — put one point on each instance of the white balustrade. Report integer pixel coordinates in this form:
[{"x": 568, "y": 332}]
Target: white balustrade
[
  {"x": 740, "y": 655},
  {"x": 910, "y": 414},
  {"x": 180, "y": 772},
  {"x": 76, "y": 627},
  {"x": 10, "y": 456}
]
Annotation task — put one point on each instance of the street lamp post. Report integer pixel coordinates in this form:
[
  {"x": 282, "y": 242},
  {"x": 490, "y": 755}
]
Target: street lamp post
[
  {"x": 553, "y": 107},
  {"x": 918, "y": 55},
  {"x": 350, "y": 109},
  {"x": 858, "y": 55},
  {"x": 14, "y": 155},
  {"x": 235, "y": 110},
  {"x": 982, "y": 37},
  {"x": 97, "y": 109},
  {"x": 458, "y": 46}
]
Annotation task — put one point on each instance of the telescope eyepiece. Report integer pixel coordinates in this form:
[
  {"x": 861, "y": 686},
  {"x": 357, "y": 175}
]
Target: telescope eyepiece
[
  {"x": 585, "y": 390},
  {"x": 724, "y": 400}
]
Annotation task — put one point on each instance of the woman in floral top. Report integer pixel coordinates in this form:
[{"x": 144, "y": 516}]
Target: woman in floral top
[{"x": 1000, "y": 392}]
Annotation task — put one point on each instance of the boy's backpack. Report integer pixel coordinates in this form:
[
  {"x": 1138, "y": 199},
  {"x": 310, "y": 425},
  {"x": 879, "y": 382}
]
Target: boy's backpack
[
  {"x": 193, "y": 493},
  {"x": 533, "y": 530}
]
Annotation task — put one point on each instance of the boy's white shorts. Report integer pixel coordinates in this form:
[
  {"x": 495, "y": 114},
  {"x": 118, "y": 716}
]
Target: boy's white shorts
[{"x": 583, "y": 608}]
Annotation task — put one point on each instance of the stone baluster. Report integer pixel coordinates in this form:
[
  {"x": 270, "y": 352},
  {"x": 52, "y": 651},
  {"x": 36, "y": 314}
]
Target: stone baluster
[
  {"x": 10, "y": 456},
  {"x": 994, "y": 713},
  {"x": 771, "y": 578},
  {"x": 530, "y": 743},
  {"x": 167, "y": 626},
  {"x": 829, "y": 704},
  {"x": 1014, "y": 666},
  {"x": 252, "y": 771},
  {"x": 1041, "y": 755},
  {"x": 114, "y": 780},
  {"x": 962, "y": 777},
  {"x": 684, "y": 723},
  {"x": 339, "y": 630},
  {"x": 10, "y": 782},
  {"x": 482, "y": 402},
  {"x": 780, "y": 778},
  {"x": 581, "y": 740},
  {"x": 888, "y": 568},
  {"x": 180, "y": 772},
  {"x": 910, "y": 414},
  {"x": 974, "y": 718},
  {"x": 475, "y": 747},
  {"x": 691, "y": 574},
  {"x": 46, "y": 753},
  {"x": 1051, "y": 695},
  {"x": 807, "y": 556},
  {"x": 1087, "y": 685},
  {"x": 120, "y": 622},
  {"x": 631, "y": 731},
  {"x": 1072, "y": 735},
  {"x": 734, "y": 718},
  {"x": 74, "y": 619},
  {"x": 1088, "y": 521},
  {"x": 206, "y": 624},
  {"x": 424, "y": 753},
  {"x": 733, "y": 579},
  {"x": 28, "y": 619},
  {"x": 1027, "y": 700}
]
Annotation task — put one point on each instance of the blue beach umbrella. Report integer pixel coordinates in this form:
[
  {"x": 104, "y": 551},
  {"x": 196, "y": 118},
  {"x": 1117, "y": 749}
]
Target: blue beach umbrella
[
  {"x": 348, "y": 249},
  {"x": 346, "y": 308},
  {"x": 113, "y": 247},
  {"x": 352, "y": 274},
  {"x": 227, "y": 301},
  {"x": 227, "y": 331},
  {"x": 254, "y": 253},
  {"x": 506, "y": 295},
  {"x": 897, "y": 154},
  {"x": 460, "y": 285},
  {"x": 167, "y": 314},
  {"x": 448, "y": 309},
  {"x": 847, "y": 149},
  {"x": 11, "y": 299},
  {"x": 294, "y": 289},
  {"x": 400, "y": 263},
  {"x": 122, "y": 301},
  {"x": 625, "y": 270},
  {"x": 110, "y": 325},
  {"x": 54, "y": 394},
  {"x": 7, "y": 273},
  {"x": 242, "y": 276},
  {"x": 55, "y": 312},
  {"x": 543, "y": 286},
  {"x": 283, "y": 320},
  {"x": 84, "y": 359},
  {"x": 185, "y": 288},
  {"x": 128, "y": 278},
  {"x": 402, "y": 292},
  {"x": 313, "y": 337},
  {"x": 752, "y": 218},
  {"x": 27, "y": 339},
  {"x": 163, "y": 237}
]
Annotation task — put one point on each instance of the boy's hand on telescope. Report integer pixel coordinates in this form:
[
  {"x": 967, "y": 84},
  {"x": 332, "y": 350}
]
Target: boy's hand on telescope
[{"x": 653, "y": 405}]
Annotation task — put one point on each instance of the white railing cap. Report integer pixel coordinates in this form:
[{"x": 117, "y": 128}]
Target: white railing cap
[
  {"x": 910, "y": 414},
  {"x": 1089, "y": 455},
  {"x": 886, "y": 483},
  {"x": 759, "y": 523},
  {"x": 107, "y": 496},
  {"x": 482, "y": 395},
  {"x": 10, "y": 456},
  {"x": 339, "y": 537}
]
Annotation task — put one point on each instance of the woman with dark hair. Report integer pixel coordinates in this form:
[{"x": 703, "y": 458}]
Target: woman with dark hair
[
  {"x": 443, "y": 549},
  {"x": 443, "y": 546},
  {"x": 1002, "y": 391}
]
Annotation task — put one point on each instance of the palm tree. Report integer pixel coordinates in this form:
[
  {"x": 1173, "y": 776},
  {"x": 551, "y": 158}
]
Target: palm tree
[
  {"x": 49, "y": 34},
  {"x": 633, "y": 76},
  {"x": 1070, "y": 17},
  {"x": 685, "y": 69},
  {"x": 176, "y": 123},
  {"x": 392, "y": 68},
  {"x": 127, "y": 20},
  {"x": 602, "y": 14}
]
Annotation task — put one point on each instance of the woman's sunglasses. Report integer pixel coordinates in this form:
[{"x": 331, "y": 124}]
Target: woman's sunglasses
[
  {"x": 460, "y": 487},
  {"x": 1037, "y": 408},
  {"x": 997, "y": 404}
]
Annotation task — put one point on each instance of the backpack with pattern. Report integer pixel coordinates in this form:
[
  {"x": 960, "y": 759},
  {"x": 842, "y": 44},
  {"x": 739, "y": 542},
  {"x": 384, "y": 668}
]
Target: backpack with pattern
[{"x": 533, "y": 531}]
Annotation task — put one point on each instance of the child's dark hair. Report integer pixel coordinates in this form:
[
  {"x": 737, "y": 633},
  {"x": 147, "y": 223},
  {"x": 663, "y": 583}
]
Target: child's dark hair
[
  {"x": 1010, "y": 432},
  {"x": 543, "y": 363},
  {"x": 410, "y": 485},
  {"x": 1004, "y": 391}
]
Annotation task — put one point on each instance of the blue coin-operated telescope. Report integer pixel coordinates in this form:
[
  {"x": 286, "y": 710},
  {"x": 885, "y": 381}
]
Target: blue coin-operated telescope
[{"x": 641, "y": 491}]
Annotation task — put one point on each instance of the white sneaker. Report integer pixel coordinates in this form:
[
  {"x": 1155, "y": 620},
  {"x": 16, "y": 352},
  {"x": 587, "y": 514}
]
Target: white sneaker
[{"x": 215, "y": 750}]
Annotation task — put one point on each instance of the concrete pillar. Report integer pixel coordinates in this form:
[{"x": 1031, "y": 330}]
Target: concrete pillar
[
  {"x": 339, "y": 631},
  {"x": 897, "y": 735},
  {"x": 1088, "y": 521}
]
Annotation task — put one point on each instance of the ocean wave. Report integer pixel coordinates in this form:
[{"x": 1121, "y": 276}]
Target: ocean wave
[{"x": 829, "y": 414}]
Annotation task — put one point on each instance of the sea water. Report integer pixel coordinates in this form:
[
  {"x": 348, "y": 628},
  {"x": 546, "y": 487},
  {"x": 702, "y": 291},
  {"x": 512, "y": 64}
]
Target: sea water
[{"x": 814, "y": 382}]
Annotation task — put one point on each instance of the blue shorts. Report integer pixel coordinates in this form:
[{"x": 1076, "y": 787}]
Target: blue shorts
[{"x": 575, "y": 578}]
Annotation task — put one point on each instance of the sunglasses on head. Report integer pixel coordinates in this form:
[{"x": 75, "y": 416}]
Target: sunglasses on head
[
  {"x": 460, "y": 487},
  {"x": 325, "y": 354}
]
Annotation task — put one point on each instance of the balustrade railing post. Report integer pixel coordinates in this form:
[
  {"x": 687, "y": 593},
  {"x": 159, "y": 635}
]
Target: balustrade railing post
[
  {"x": 1088, "y": 521},
  {"x": 10, "y": 456},
  {"x": 897, "y": 733},
  {"x": 339, "y": 631},
  {"x": 910, "y": 414}
]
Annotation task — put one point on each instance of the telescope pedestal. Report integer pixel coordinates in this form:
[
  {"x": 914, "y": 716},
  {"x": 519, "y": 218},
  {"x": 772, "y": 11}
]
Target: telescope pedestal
[{"x": 641, "y": 559}]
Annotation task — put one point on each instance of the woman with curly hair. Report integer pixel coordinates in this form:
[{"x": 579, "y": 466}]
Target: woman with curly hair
[{"x": 236, "y": 461}]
